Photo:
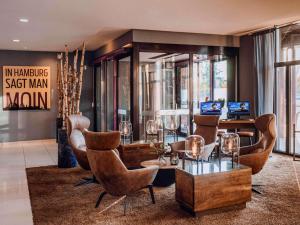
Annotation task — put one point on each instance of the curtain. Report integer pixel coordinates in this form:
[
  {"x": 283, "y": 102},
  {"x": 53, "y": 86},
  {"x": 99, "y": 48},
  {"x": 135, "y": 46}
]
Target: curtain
[{"x": 264, "y": 59}]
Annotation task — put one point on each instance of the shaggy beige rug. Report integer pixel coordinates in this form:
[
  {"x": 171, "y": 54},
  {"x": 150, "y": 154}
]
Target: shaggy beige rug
[{"x": 55, "y": 200}]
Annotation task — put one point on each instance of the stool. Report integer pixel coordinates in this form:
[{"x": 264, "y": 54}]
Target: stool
[{"x": 246, "y": 134}]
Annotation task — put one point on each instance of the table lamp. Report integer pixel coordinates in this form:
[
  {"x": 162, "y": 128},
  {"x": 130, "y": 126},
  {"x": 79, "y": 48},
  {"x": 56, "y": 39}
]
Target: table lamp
[
  {"x": 230, "y": 145},
  {"x": 125, "y": 128},
  {"x": 194, "y": 148}
]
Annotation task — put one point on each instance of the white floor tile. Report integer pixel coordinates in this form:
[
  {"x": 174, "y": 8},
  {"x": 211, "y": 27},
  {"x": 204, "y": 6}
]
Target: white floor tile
[
  {"x": 37, "y": 155},
  {"x": 15, "y": 208}
]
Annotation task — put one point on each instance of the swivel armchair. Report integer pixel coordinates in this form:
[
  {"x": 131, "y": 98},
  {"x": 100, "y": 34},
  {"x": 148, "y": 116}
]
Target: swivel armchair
[
  {"x": 75, "y": 126},
  {"x": 255, "y": 156},
  {"x": 108, "y": 168}
]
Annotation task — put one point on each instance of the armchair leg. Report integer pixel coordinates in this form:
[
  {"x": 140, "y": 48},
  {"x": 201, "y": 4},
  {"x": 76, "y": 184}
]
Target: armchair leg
[
  {"x": 100, "y": 198},
  {"x": 125, "y": 205},
  {"x": 255, "y": 190},
  {"x": 85, "y": 180},
  {"x": 150, "y": 187}
]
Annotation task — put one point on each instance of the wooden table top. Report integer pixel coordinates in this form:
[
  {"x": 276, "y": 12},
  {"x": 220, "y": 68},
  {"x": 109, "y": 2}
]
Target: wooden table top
[
  {"x": 161, "y": 165},
  {"x": 248, "y": 121}
]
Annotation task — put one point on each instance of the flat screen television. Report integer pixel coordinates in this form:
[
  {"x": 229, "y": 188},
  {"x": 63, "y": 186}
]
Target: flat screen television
[
  {"x": 211, "y": 108},
  {"x": 238, "y": 108}
]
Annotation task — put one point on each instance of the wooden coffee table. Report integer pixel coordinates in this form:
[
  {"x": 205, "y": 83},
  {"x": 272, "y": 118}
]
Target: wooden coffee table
[
  {"x": 212, "y": 186},
  {"x": 166, "y": 173}
]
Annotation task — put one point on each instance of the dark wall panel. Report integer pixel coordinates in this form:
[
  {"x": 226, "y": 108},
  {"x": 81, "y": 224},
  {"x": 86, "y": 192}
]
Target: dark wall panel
[
  {"x": 246, "y": 87},
  {"x": 33, "y": 125}
]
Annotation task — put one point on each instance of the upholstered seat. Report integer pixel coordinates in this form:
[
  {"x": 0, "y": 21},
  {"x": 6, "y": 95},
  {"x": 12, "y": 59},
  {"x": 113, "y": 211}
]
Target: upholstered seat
[
  {"x": 255, "y": 156},
  {"x": 108, "y": 168},
  {"x": 207, "y": 127},
  {"x": 75, "y": 126}
]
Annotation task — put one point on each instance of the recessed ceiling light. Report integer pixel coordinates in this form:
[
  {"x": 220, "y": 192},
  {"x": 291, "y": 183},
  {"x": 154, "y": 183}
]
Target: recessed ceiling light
[
  {"x": 23, "y": 20},
  {"x": 16, "y": 40}
]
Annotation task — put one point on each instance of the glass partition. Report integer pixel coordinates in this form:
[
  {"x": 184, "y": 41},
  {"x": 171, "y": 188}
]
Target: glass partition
[
  {"x": 164, "y": 88},
  {"x": 110, "y": 80},
  {"x": 288, "y": 43},
  {"x": 281, "y": 108},
  {"x": 124, "y": 89},
  {"x": 210, "y": 81},
  {"x": 287, "y": 89},
  {"x": 202, "y": 82},
  {"x": 155, "y": 82}
]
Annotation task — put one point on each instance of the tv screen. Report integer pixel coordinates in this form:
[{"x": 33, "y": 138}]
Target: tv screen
[
  {"x": 211, "y": 108},
  {"x": 239, "y": 108}
]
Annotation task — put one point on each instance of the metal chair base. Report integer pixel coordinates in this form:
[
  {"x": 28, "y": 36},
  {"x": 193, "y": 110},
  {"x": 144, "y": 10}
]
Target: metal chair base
[
  {"x": 86, "y": 180},
  {"x": 255, "y": 190},
  {"x": 102, "y": 194}
]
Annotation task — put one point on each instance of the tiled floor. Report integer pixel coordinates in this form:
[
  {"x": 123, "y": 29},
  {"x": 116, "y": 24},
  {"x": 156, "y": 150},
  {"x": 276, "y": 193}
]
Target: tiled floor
[{"x": 15, "y": 206}]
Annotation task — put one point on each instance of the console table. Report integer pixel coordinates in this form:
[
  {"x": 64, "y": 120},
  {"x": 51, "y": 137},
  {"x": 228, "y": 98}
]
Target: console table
[
  {"x": 205, "y": 188},
  {"x": 237, "y": 124}
]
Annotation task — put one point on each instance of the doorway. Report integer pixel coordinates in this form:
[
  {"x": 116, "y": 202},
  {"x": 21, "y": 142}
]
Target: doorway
[
  {"x": 112, "y": 92},
  {"x": 287, "y": 106}
]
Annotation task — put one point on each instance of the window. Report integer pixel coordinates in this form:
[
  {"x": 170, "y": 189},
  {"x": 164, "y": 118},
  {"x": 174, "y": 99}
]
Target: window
[{"x": 164, "y": 89}]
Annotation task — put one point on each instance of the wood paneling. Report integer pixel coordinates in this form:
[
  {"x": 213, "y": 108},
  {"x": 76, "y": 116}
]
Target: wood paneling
[
  {"x": 236, "y": 124},
  {"x": 199, "y": 193}
]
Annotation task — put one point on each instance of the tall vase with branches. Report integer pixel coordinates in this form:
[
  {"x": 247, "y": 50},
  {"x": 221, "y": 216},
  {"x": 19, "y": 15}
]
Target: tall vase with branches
[{"x": 69, "y": 86}]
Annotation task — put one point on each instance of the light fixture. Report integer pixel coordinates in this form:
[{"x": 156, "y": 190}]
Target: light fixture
[
  {"x": 23, "y": 20},
  {"x": 16, "y": 40}
]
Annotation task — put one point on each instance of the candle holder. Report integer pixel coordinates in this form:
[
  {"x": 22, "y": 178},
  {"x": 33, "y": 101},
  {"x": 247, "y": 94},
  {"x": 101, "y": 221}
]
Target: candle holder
[
  {"x": 171, "y": 125},
  {"x": 194, "y": 148},
  {"x": 125, "y": 128},
  {"x": 230, "y": 145},
  {"x": 155, "y": 128}
]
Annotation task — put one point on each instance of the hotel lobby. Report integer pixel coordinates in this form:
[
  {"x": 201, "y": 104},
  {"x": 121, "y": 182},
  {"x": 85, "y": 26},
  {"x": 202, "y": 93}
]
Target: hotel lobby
[{"x": 150, "y": 112}]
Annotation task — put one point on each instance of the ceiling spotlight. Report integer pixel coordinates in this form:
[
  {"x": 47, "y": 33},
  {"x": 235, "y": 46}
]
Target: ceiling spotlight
[
  {"x": 23, "y": 20},
  {"x": 16, "y": 40}
]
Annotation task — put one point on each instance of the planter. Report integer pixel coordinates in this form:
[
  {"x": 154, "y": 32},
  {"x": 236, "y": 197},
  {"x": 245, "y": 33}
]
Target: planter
[{"x": 66, "y": 157}]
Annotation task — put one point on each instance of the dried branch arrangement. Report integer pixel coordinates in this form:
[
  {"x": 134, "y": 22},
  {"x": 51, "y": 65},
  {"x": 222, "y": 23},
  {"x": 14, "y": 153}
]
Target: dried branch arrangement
[{"x": 69, "y": 84}]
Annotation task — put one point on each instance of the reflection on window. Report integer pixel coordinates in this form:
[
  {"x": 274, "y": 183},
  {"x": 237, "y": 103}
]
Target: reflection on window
[
  {"x": 220, "y": 84},
  {"x": 201, "y": 82},
  {"x": 163, "y": 88},
  {"x": 288, "y": 44},
  {"x": 124, "y": 89},
  {"x": 220, "y": 80}
]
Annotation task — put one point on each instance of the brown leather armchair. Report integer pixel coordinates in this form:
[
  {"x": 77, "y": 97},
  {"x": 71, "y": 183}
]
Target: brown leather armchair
[
  {"x": 255, "y": 156},
  {"x": 108, "y": 168},
  {"x": 133, "y": 154},
  {"x": 75, "y": 126},
  {"x": 206, "y": 126}
]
